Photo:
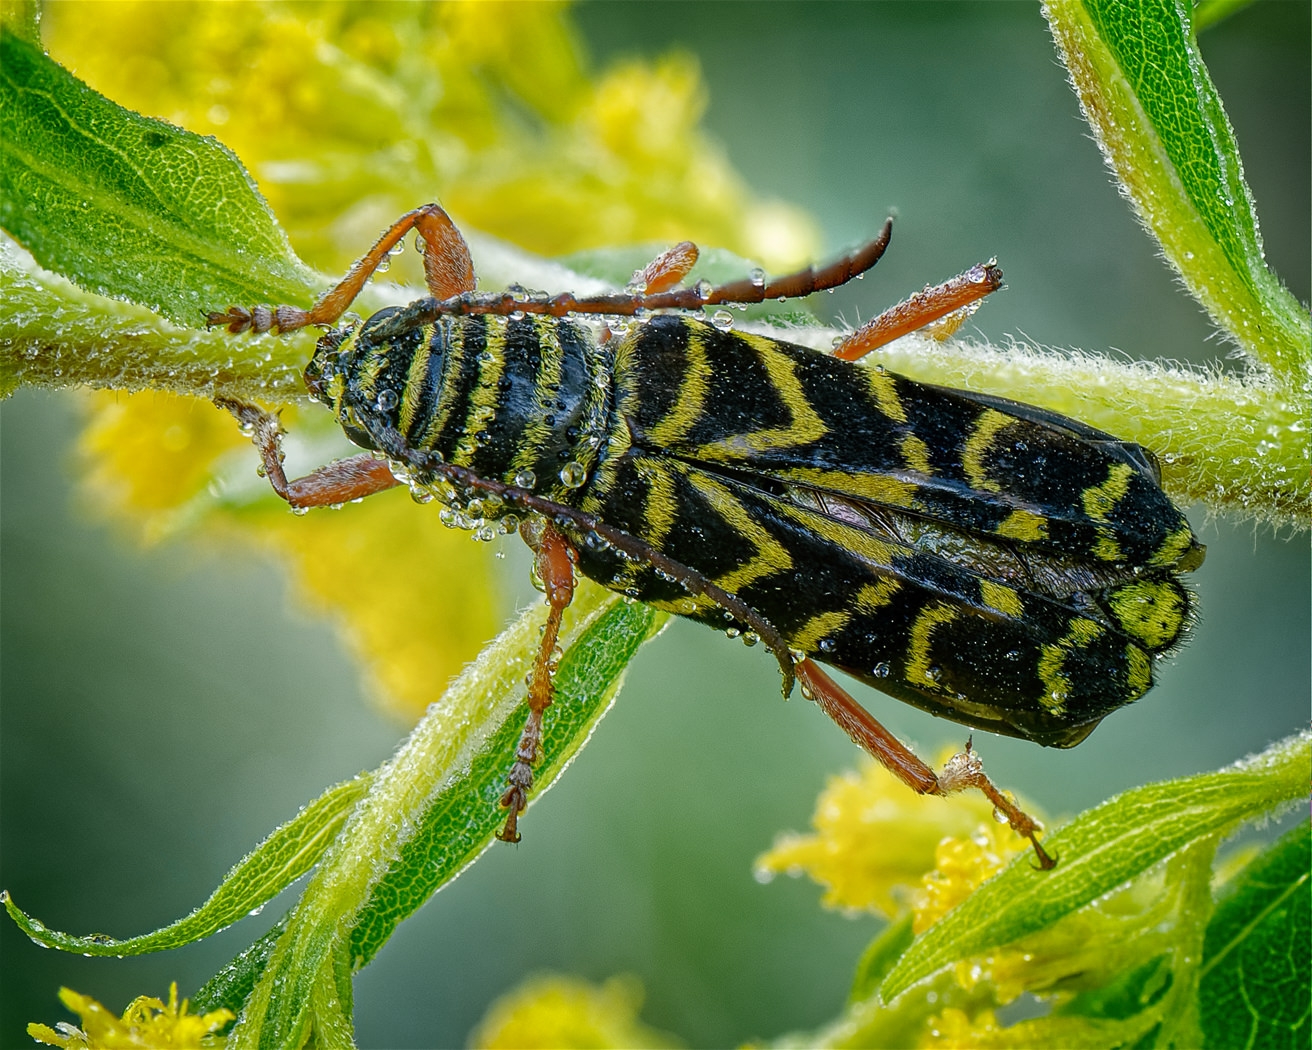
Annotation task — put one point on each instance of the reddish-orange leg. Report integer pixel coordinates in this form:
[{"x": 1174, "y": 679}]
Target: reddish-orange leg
[
  {"x": 952, "y": 300},
  {"x": 555, "y": 568},
  {"x": 963, "y": 771},
  {"x": 448, "y": 271},
  {"x": 338, "y": 482},
  {"x": 667, "y": 269}
]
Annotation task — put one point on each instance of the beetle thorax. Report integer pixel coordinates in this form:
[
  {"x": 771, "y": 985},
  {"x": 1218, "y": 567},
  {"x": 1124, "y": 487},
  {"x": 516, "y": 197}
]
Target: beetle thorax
[{"x": 525, "y": 401}]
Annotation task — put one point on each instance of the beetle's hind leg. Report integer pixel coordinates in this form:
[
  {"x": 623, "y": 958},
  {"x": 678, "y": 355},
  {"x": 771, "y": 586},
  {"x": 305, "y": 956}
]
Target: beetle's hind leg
[
  {"x": 338, "y": 482},
  {"x": 555, "y": 569},
  {"x": 963, "y": 771}
]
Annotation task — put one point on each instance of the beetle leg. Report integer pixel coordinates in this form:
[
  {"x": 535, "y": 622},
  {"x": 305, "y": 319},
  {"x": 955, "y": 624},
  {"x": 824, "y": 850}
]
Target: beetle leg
[
  {"x": 949, "y": 303},
  {"x": 338, "y": 482},
  {"x": 667, "y": 269},
  {"x": 448, "y": 271},
  {"x": 962, "y": 771},
  {"x": 555, "y": 568}
]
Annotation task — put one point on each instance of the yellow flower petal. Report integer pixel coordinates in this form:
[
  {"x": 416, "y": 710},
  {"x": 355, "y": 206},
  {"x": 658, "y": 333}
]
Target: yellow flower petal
[
  {"x": 961, "y": 865},
  {"x": 349, "y": 114},
  {"x": 955, "y": 1029},
  {"x": 146, "y": 455},
  {"x": 414, "y": 599},
  {"x": 147, "y": 1022},
  {"x": 875, "y": 839},
  {"x": 557, "y": 1012}
]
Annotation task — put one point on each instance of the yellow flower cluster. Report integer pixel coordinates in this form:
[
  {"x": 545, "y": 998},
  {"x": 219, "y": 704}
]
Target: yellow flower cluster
[
  {"x": 147, "y": 1022},
  {"x": 878, "y": 847},
  {"x": 549, "y": 1012},
  {"x": 349, "y": 113}
]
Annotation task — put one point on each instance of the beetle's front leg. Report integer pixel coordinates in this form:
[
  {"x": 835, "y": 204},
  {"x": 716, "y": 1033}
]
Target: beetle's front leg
[
  {"x": 338, "y": 482},
  {"x": 555, "y": 568},
  {"x": 962, "y": 772},
  {"x": 448, "y": 271}
]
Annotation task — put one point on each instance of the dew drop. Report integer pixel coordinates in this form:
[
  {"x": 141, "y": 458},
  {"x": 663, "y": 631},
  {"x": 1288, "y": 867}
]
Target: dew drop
[
  {"x": 572, "y": 474},
  {"x": 526, "y": 479}
]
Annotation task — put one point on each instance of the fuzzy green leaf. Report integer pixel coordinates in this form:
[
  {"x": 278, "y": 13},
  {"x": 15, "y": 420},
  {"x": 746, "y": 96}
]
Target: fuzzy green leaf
[
  {"x": 461, "y": 820},
  {"x": 1256, "y": 983},
  {"x": 1104, "y": 848},
  {"x": 436, "y": 801},
  {"x": 232, "y": 986},
  {"x": 282, "y": 858},
  {"x": 133, "y": 207},
  {"x": 1159, "y": 120}
]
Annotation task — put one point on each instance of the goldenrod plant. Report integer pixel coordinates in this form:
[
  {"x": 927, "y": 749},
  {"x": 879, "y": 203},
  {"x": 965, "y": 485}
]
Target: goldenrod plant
[{"x": 158, "y": 161}]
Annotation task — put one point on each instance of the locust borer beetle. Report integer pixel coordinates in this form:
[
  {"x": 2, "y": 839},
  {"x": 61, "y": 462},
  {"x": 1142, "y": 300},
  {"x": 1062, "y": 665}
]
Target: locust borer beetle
[{"x": 988, "y": 561}]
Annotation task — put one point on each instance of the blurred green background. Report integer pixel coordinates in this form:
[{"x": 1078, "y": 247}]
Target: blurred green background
[{"x": 162, "y": 710}]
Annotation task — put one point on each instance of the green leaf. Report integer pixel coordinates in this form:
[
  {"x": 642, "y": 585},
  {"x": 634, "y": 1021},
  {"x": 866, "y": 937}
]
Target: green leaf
[
  {"x": 55, "y": 334},
  {"x": 1159, "y": 120},
  {"x": 1208, "y": 13},
  {"x": 1130, "y": 994},
  {"x": 1103, "y": 848},
  {"x": 1256, "y": 984},
  {"x": 880, "y": 956},
  {"x": 436, "y": 802},
  {"x": 133, "y": 207},
  {"x": 282, "y": 858},
  {"x": 22, "y": 17},
  {"x": 232, "y": 986}
]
